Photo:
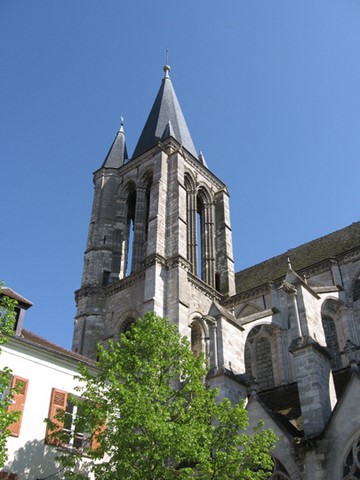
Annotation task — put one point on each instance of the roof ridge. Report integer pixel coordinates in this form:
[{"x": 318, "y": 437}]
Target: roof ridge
[
  {"x": 302, "y": 257},
  {"x": 43, "y": 342}
]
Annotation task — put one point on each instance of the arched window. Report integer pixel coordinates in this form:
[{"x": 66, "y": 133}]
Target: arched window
[
  {"x": 258, "y": 356},
  {"x": 191, "y": 223},
  {"x": 334, "y": 335},
  {"x": 279, "y": 471},
  {"x": 205, "y": 237},
  {"x": 264, "y": 367},
  {"x": 356, "y": 290},
  {"x": 351, "y": 465},
  {"x": 147, "y": 208},
  {"x": 200, "y": 232},
  {"x": 197, "y": 338},
  {"x": 200, "y": 237},
  {"x": 129, "y": 246},
  {"x": 126, "y": 325},
  {"x": 332, "y": 340}
]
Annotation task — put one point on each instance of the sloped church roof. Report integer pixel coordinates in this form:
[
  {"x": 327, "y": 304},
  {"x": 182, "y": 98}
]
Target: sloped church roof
[{"x": 165, "y": 117}]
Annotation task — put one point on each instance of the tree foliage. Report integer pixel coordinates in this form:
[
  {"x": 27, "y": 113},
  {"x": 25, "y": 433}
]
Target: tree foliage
[
  {"x": 7, "y": 320},
  {"x": 154, "y": 418}
]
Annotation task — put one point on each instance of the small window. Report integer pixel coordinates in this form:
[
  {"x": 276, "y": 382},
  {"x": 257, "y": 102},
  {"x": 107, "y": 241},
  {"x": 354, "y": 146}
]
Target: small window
[
  {"x": 356, "y": 293},
  {"x": 106, "y": 278},
  {"x": 71, "y": 428},
  {"x": 74, "y": 428},
  {"x": 8, "y": 476}
]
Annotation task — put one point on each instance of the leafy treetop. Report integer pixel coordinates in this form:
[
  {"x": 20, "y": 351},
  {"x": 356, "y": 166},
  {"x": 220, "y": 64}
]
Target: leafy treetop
[{"x": 155, "y": 419}]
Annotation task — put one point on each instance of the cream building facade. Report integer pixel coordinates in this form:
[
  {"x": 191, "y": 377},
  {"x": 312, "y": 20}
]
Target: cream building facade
[{"x": 44, "y": 376}]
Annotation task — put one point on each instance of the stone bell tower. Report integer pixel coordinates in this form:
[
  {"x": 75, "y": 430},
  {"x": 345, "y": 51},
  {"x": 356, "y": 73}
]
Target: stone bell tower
[{"x": 159, "y": 238}]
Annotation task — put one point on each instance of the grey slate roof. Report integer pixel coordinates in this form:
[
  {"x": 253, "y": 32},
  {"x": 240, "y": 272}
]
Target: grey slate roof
[
  {"x": 166, "y": 109},
  {"x": 301, "y": 257},
  {"x": 117, "y": 153}
]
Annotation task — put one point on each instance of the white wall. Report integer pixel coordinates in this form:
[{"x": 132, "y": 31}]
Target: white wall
[{"x": 29, "y": 456}]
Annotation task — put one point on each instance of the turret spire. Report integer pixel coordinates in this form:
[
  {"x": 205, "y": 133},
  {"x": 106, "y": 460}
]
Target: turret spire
[
  {"x": 117, "y": 153},
  {"x": 165, "y": 109}
]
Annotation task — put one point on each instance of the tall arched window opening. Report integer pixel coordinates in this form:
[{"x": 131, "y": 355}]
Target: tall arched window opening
[
  {"x": 200, "y": 234},
  {"x": 332, "y": 340},
  {"x": 333, "y": 330},
  {"x": 197, "y": 339},
  {"x": 259, "y": 356},
  {"x": 147, "y": 210},
  {"x": 126, "y": 325},
  {"x": 131, "y": 207},
  {"x": 264, "y": 367},
  {"x": 205, "y": 250},
  {"x": 191, "y": 223}
]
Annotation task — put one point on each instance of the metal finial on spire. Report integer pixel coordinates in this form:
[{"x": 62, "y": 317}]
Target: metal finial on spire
[
  {"x": 121, "y": 124},
  {"x": 167, "y": 67},
  {"x": 289, "y": 262}
]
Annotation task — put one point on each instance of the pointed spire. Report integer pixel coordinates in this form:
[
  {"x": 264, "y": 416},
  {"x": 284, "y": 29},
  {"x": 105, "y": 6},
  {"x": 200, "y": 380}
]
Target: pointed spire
[
  {"x": 165, "y": 109},
  {"x": 117, "y": 153},
  {"x": 202, "y": 159}
]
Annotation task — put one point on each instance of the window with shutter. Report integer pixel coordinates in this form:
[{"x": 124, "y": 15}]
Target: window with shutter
[
  {"x": 57, "y": 403},
  {"x": 8, "y": 476},
  {"x": 72, "y": 429},
  {"x": 95, "y": 442},
  {"x": 19, "y": 388}
]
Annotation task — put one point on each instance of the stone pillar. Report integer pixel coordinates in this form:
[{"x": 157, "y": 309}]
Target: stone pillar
[
  {"x": 191, "y": 225},
  {"x": 139, "y": 230},
  {"x": 315, "y": 384},
  {"x": 224, "y": 249},
  {"x": 213, "y": 350},
  {"x": 209, "y": 254},
  {"x": 283, "y": 356},
  {"x": 347, "y": 317}
]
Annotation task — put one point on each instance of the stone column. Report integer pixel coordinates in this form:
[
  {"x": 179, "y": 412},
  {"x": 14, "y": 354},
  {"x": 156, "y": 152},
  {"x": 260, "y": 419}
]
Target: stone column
[
  {"x": 350, "y": 330},
  {"x": 139, "y": 230},
  {"x": 213, "y": 343},
  {"x": 191, "y": 227},
  {"x": 315, "y": 384},
  {"x": 283, "y": 361},
  {"x": 209, "y": 254}
]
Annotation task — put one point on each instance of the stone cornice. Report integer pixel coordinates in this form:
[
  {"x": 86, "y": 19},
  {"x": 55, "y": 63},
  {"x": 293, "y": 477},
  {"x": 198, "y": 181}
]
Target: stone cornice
[
  {"x": 258, "y": 316},
  {"x": 204, "y": 288},
  {"x": 306, "y": 342},
  {"x": 200, "y": 169}
]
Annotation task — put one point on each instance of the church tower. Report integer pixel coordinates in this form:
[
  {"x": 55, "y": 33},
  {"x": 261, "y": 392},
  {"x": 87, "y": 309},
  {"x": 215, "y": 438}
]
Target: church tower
[{"x": 159, "y": 240}]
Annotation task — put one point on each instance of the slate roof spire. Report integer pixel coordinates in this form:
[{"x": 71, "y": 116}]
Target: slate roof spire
[
  {"x": 165, "y": 112},
  {"x": 117, "y": 154}
]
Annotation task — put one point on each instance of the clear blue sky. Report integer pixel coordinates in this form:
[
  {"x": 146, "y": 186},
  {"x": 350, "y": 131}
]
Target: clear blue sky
[{"x": 270, "y": 91}]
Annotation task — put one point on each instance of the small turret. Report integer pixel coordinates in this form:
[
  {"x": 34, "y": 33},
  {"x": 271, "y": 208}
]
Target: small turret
[{"x": 117, "y": 154}]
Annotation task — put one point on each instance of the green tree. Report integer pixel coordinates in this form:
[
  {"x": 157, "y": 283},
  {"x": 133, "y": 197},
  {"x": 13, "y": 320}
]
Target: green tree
[
  {"x": 7, "y": 320},
  {"x": 159, "y": 420}
]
